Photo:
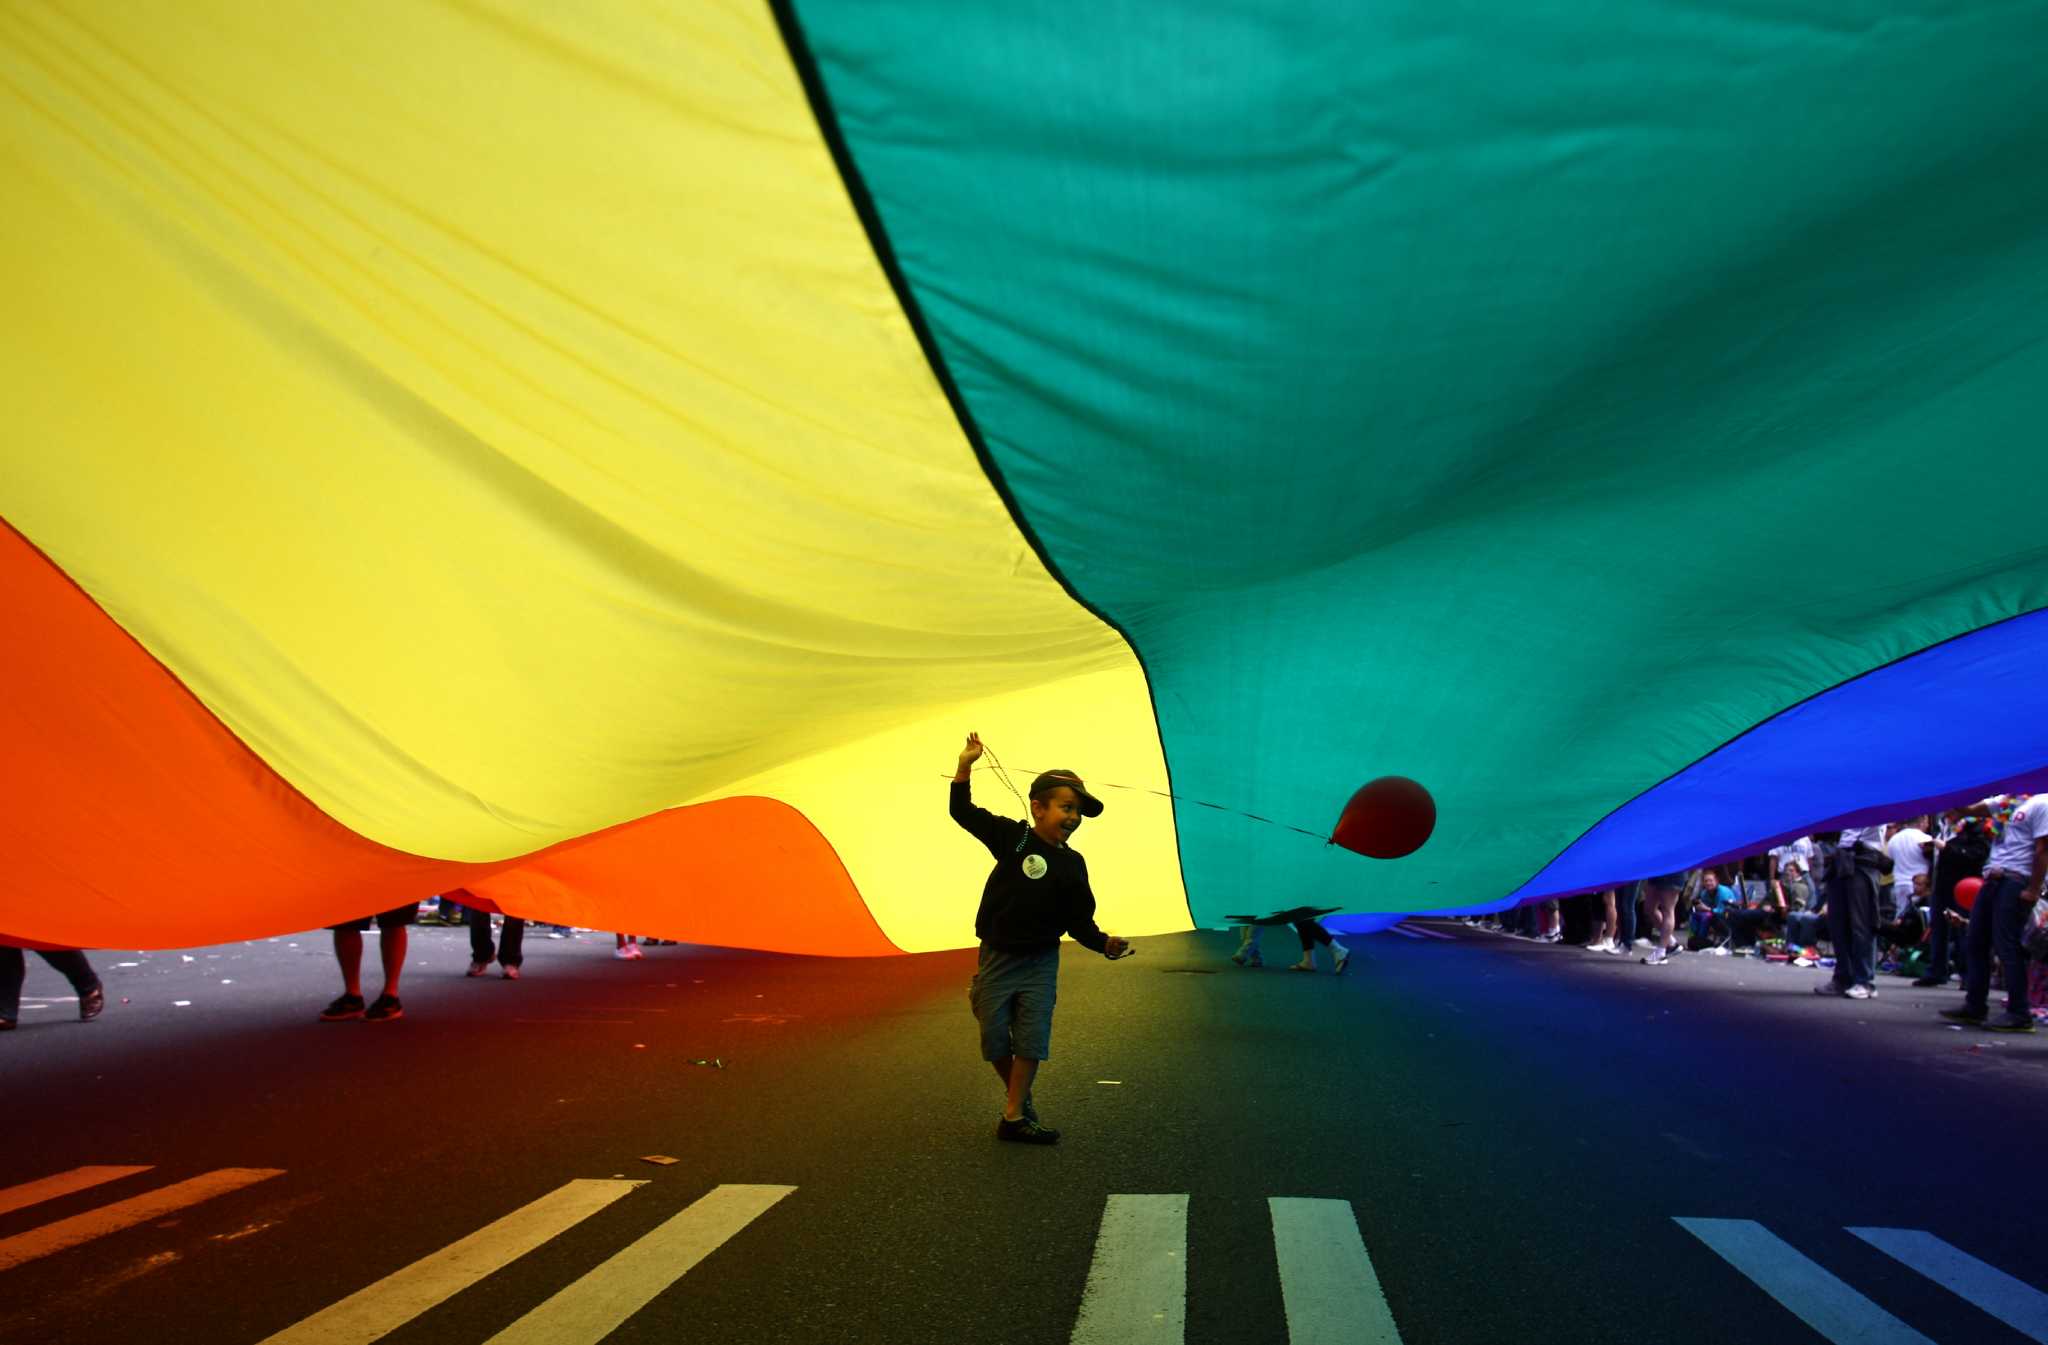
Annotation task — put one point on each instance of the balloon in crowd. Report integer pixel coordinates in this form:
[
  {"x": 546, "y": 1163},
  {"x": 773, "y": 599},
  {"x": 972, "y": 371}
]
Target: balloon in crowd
[{"x": 605, "y": 461}]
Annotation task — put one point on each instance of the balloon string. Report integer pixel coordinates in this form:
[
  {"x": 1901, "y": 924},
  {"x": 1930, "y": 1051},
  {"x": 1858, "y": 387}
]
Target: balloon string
[{"x": 1004, "y": 773}]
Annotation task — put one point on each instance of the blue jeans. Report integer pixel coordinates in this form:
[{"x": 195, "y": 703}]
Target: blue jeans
[
  {"x": 1625, "y": 913},
  {"x": 1996, "y": 923},
  {"x": 510, "y": 943}
]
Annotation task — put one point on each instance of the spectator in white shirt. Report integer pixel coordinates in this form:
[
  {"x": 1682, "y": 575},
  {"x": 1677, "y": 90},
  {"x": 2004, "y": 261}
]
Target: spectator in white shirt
[
  {"x": 1912, "y": 852},
  {"x": 2012, "y": 884}
]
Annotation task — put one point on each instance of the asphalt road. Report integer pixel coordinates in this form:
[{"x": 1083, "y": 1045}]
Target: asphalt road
[{"x": 1515, "y": 1129}]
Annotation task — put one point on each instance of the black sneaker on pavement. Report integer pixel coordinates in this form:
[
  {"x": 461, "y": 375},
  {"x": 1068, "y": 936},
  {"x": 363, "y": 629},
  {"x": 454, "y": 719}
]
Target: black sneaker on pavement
[
  {"x": 1024, "y": 1130},
  {"x": 91, "y": 1002},
  {"x": 383, "y": 1009},
  {"x": 1965, "y": 1015},
  {"x": 348, "y": 1006},
  {"x": 2007, "y": 1022}
]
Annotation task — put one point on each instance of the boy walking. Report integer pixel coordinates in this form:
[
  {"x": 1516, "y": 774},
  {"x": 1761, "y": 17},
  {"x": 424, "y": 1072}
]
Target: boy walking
[{"x": 1037, "y": 891}]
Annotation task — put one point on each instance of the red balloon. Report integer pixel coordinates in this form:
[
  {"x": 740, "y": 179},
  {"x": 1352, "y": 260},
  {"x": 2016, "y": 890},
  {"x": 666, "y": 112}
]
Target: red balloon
[
  {"x": 1966, "y": 892},
  {"x": 1387, "y": 818}
]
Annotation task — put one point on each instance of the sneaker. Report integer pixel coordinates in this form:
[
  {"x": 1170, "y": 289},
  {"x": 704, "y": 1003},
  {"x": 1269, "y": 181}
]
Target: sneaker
[
  {"x": 2012, "y": 1023},
  {"x": 1828, "y": 987},
  {"x": 1622, "y": 949},
  {"x": 1030, "y": 1111},
  {"x": 1929, "y": 982},
  {"x": 508, "y": 972},
  {"x": 1255, "y": 960},
  {"x": 626, "y": 952},
  {"x": 478, "y": 968},
  {"x": 383, "y": 1009},
  {"x": 1965, "y": 1014},
  {"x": 1024, "y": 1130},
  {"x": 1657, "y": 957},
  {"x": 1343, "y": 961},
  {"x": 1859, "y": 992},
  {"x": 1601, "y": 946},
  {"x": 348, "y": 1006},
  {"x": 91, "y": 1002}
]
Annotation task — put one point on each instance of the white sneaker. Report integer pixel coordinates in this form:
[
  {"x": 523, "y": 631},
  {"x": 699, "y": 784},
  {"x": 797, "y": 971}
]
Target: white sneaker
[
  {"x": 1624, "y": 949},
  {"x": 1601, "y": 946},
  {"x": 1657, "y": 957},
  {"x": 1860, "y": 992}
]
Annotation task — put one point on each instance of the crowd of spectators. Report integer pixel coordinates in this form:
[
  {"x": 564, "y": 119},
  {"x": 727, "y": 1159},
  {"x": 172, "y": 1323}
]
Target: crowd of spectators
[{"x": 1948, "y": 899}]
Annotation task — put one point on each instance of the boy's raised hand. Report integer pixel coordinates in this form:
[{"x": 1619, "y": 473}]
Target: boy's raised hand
[{"x": 972, "y": 752}]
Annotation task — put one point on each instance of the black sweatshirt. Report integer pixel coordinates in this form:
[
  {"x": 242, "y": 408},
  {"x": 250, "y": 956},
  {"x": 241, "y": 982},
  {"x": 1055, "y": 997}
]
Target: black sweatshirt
[{"x": 1019, "y": 913}]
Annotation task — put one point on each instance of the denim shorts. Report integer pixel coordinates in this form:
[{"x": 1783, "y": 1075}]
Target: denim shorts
[
  {"x": 395, "y": 918},
  {"x": 1012, "y": 996}
]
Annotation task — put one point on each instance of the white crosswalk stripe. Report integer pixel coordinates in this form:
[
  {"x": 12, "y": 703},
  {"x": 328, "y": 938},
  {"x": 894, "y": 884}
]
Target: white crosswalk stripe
[
  {"x": 61, "y": 1184},
  {"x": 1138, "y": 1283},
  {"x": 1404, "y": 931},
  {"x": 1426, "y": 932},
  {"x": 2016, "y": 1303},
  {"x": 95, "y": 1223},
  {"x": 1813, "y": 1295},
  {"x": 391, "y": 1302},
  {"x": 1327, "y": 1282},
  {"x": 594, "y": 1306}
]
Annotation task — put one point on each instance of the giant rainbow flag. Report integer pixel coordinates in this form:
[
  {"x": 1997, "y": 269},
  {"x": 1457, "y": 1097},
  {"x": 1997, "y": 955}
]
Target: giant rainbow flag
[{"x": 608, "y": 455}]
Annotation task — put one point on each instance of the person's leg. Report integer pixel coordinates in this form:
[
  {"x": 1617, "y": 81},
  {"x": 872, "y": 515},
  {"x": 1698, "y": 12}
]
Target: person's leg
[
  {"x": 480, "y": 950},
  {"x": 348, "y": 951},
  {"x": 1977, "y": 952},
  {"x": 391, "y": 949},
  {"x": 1862, "y": 958},
  {"x": 993, "y": 1001},
  {"x": 13, "y": 967},
  {"x": 1023, "y": 1070},
  {"x": 512, "y": 942},
  {"x": 1840, "y": 930},
  {"x": 1303, "y": 930},
  {"x": 1625, "y": 918},
  {"x": 2008, "y": 929},
  {"x": 71, "y": 962},
  {"x": 1938, "y": 936},
  {"x": 1036, "y": 981}
]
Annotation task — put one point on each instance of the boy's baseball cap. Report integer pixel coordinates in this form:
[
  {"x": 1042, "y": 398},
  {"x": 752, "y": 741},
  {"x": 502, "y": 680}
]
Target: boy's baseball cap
[{"x": 1051, "y": 780}]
